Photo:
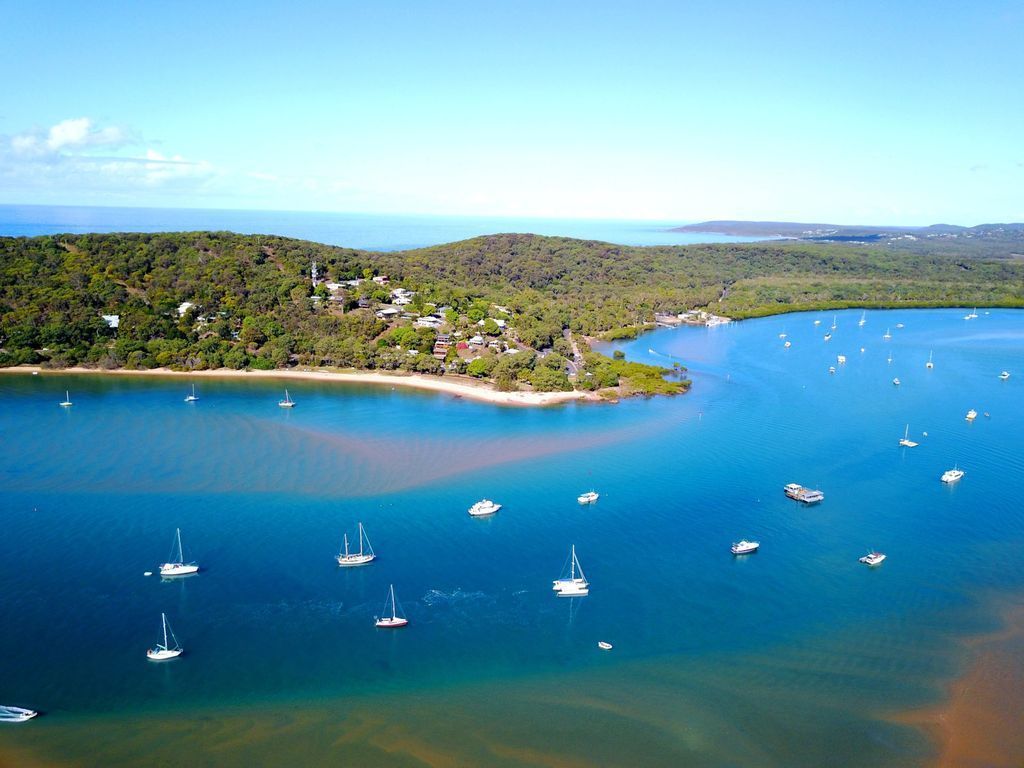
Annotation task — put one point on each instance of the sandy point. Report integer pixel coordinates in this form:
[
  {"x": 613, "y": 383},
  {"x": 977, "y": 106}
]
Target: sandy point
[{"x": 459, "y": 386}]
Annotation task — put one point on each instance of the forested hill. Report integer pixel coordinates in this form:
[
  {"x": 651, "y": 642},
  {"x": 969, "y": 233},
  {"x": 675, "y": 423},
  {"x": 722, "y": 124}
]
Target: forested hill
[{"x": 212, "y": 299}]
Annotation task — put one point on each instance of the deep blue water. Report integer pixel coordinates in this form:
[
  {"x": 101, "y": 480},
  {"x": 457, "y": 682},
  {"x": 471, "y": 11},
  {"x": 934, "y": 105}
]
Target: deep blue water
[
  {"x": 352, "y": 230},
  {"x": 794, "y": 652}
]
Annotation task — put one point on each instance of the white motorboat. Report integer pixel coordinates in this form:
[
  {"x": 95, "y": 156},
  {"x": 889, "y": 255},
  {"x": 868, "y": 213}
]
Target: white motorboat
[
  {"x": 603, "y": 645},
  {"x": 952, "y": 475},
  {"x": 164, "y": 651},
  {"x": 783, "y": 334},
  {"x": 896, "y": 381},
  {"x": 744, "y": 547},
  {"x": 287, "y": 402},
  {"x": 192, "y": 397},
  {"x": 67, "y": 400},
  {"x": 929, "y": 364},
  {"x": 906, "y": 442},
  {"x": 588, "y": 498},
  {"x": 971, "y": 415},
  {"x": 872, "y": 558},
  {"x": 817, "y": 322},
  {"x": 831, "y": 369},
  {"x": 787, "y": 345},
  {"x": 1004, "y": 375},
  {"x": 365, "y": 555},
  {"x": 575, "y": 584},
  {"x": 828, "y": 336},
  {"x": 841, "y": 359},
  {"x": 484, "y": 507},
  {"x": 177, "y": 566},
  {"x": 16, "y": 714},
  {"x": 392, "y": 618}
]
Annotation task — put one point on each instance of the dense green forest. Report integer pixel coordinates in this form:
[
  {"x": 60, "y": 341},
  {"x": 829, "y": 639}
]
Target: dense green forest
[{"x": 217, "y": 299}]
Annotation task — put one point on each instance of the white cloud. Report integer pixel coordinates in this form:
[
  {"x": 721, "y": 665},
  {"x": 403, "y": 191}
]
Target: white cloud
[
  {"x": 77, "y": 154},
  {"x": 68, "y": 137}
]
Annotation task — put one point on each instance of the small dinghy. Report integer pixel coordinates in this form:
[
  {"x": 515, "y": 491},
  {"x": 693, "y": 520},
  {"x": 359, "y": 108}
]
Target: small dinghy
[
  {"x": 604, "y": 646},
  {"x": 16, "y": 714}
]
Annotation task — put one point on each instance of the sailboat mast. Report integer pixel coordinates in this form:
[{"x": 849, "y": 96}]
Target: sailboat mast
[
  {"x": 572, "y": 564},
  {"x": 346, "y": 545},
  {"x": 394, "y": 608},
  {"x": 163, "y": 618},
  {"x": 181, "y": 555},
  {"x": 360, "y": 539}
]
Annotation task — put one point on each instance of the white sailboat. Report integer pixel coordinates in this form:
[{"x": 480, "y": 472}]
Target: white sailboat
[
  {"x": 929, "y": 364},
  {"x": 886, "y": 335},
  {"x": 67, "y": 400},
  {"x": 193, "y": 397},
  {"x": 906, "y": 442},
  {"x": 392, "y": 621},
  {"x": 863, "y": 318},
  {"x": 348, "y": 559},
  {"x": 164, "y": 651},
  {"x": 15, "y": 714},
  {"x": 177, "y": 567},
  {"x": 576, "y": 584},
  {"x": 890, "y": 358},
  {"x": 833, "y": 322},
  {"x": 287, "y": 402}
]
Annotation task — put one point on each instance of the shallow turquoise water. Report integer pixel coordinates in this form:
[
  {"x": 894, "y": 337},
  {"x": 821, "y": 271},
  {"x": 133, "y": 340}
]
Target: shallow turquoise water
[{"x": 92, "y": 495}]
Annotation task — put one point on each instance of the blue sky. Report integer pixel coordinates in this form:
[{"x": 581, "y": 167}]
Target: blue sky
[{"x": 867, "y": 112}]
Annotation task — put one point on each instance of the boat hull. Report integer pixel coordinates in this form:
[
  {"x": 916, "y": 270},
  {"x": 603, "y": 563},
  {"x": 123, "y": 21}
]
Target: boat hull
[
  {"x": 391, "y": 623},
  {"x": 573, "y": 592},
  {"x": 178, "y": 569},
  {"x": 350, "y": 561},
  {"x": 162, "y": 654}
]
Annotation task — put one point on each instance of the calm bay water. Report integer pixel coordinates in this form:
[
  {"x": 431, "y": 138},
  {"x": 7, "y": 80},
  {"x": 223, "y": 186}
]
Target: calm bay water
[
  {"x": 352, "y": 230},
  {"x": 792, "y": 656}
]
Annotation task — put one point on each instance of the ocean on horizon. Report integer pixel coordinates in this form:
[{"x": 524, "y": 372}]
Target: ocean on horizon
[{"x": 374, "y": 232}]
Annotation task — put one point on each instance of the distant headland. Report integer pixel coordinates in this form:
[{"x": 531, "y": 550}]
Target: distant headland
[{"x": 855, "y": 233}]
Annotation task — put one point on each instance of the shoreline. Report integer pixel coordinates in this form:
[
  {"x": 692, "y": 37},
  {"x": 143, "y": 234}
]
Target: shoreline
[
  {"x": 458, "y": 386},
  {"x": 980, "y": 722}
]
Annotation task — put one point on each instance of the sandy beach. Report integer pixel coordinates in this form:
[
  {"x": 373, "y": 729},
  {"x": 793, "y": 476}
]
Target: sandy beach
[
  {"x": 458, "y": 386},
  {"x": 981, "y": 722}
]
